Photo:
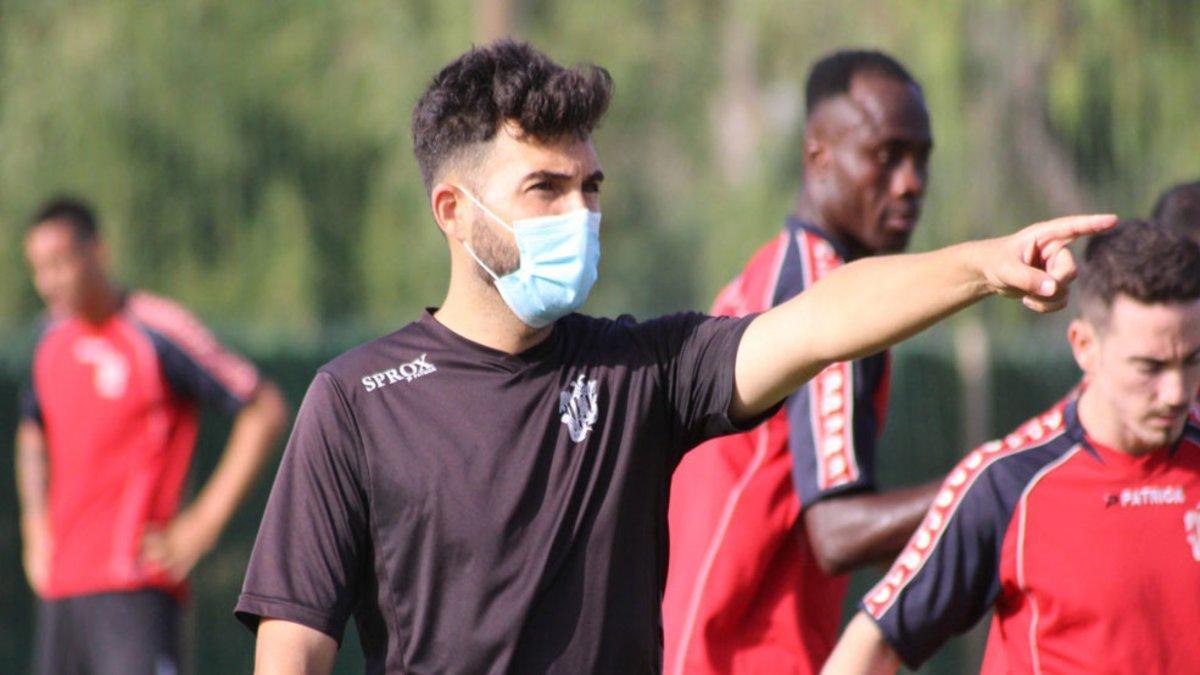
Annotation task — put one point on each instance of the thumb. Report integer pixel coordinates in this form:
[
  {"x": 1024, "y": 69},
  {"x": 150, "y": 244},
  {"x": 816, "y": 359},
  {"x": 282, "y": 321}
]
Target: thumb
[{"x": 1031, "y": 281}]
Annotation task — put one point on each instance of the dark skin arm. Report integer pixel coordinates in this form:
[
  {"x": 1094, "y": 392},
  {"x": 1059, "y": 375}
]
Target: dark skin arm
[{"x": 855, "y": 530}]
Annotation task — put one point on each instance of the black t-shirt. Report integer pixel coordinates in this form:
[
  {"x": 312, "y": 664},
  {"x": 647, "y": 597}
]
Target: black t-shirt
[{"x": 477, "y": 511}]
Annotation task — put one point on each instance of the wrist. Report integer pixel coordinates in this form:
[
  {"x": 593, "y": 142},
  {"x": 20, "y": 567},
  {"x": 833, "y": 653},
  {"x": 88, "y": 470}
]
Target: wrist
[{"x": 976, "y": 257}]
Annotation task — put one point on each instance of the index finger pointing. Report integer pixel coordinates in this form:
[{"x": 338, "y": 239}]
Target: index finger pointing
[{"x": 1069, "y": 228}]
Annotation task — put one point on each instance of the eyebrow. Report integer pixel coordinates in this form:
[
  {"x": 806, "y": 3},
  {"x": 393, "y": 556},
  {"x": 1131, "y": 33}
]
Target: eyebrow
[
  {"x": 1149, "y": 360},
  {"x": 597, "y": 176}
]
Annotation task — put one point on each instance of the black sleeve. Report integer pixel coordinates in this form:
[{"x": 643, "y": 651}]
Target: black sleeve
[
  {"x": 314, "y": 537},
  {"x": 698, "y": 354},
  {"x": 947, "y": 577},
  {"x": 31, "y": 410},
  {"x": 194, "y": 373},
  {"x": 833, "y": 423}
]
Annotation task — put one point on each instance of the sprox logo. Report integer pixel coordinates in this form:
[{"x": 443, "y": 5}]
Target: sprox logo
[{"x": 405, "y": 372}]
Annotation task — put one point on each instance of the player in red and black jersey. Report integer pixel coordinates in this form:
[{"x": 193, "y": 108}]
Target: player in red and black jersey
[
  {"x": 1081, "y": 530},
  {"x": 109, "y": 421},
  {"x": 765, "y": 524}
]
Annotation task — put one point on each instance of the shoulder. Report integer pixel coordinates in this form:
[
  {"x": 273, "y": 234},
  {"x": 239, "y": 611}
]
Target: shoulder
[
  {"x": 46, "y": 329},
  {"x": 978, "y": 497},
  {"x": 167, "y": 319},
  {"x": 355, "y": 367},
  {"x": 165, "y": 316}
]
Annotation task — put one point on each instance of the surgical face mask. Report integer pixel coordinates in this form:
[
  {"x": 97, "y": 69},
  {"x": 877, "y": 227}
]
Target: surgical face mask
[{"x": 560, "y": 259}]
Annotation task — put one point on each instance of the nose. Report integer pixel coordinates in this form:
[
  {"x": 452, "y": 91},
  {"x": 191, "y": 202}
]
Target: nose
[
  {"x": 1173, "y": 389},
  {"x": 908, "y": 179},
  {"x": 579, "y": 199}
]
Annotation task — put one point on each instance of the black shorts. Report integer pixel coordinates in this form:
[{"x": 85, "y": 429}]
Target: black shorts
[{"x": 122, "y": 632}]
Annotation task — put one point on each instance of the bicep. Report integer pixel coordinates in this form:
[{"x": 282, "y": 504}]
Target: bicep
[
  {"x": 774, "y": 358},
  {"x": 284, "y": 647}
]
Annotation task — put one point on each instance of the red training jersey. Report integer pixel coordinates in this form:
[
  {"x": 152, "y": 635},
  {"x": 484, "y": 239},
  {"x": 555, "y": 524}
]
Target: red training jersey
[
  {"x": 1089, "y": 557},
  {"x": 117, "y": 402},
  {"x": 744, "y": 592}
]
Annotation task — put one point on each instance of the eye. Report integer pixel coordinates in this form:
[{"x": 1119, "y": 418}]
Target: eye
[
  {"x": 591, "y": 186},
  {"x": 1149, "y": 368},
  {"x": 543, "y": 186}
]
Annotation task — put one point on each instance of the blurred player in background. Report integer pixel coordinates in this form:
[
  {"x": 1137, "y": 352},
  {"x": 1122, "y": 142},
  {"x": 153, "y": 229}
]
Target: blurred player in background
[
  {"x": 485, "y": 489},
  {"x": 764, "y": 525},
  {"x": 108, "y": 425},
  {"x": 1081, "y": 529},
  {"x": 1179, "y": 208}
]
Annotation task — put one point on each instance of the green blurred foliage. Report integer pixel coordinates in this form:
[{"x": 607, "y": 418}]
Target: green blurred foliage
[{"x": 254, "y": 161}]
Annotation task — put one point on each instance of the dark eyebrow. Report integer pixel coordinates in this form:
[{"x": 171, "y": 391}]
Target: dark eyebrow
[{"x": 554, "y": 176}]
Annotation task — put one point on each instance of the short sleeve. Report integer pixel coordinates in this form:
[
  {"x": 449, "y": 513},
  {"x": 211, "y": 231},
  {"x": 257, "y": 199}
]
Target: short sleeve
[
  {"x": 313, "y": 541},
  {"x": 196, "y": 365},
  {"x": 947, "y": 577},
  {"x": 833, "y": 424},
  {"x": 30, "y": 409},
  {"x": 698, "y": 354}
]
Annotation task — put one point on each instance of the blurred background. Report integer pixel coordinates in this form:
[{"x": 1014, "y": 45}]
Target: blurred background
[{"x": 253, "y": 161}]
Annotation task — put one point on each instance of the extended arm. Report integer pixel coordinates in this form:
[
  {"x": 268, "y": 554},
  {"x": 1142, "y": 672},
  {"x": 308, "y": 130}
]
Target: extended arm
[
  {"x": 196, "y": 529},
  {"x": 286, "y": 648},
  {"x": 872, "y": 303},
  {"x": 862, "y": 651},
  {"x": 33, "y": 475},
  {"x": 850, "y": 531}
]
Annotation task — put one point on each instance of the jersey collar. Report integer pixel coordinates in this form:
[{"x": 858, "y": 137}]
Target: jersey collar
[{"x": 795, "y": 224}]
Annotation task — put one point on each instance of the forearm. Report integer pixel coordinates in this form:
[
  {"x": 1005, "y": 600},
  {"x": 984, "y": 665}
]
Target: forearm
[
  {"x": 857, "y": 310},
  {"x": 251, "y": 442},
  {"x": 849, "y": 532},
  {"x": 861, "y": 651}
]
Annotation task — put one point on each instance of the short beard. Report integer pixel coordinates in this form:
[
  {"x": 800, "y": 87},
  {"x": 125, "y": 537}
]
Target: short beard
[{"x": 494, "y": 250}]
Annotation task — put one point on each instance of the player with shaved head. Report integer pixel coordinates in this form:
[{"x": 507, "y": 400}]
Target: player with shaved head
[{"x": 765, "y": 525}]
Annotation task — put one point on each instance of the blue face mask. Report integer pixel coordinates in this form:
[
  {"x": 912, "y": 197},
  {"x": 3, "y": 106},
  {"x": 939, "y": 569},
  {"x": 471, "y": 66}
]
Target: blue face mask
[{"x": 560, "y": 259}]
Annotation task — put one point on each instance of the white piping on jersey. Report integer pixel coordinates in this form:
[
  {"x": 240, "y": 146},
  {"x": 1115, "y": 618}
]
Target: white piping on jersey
[
  {"x": 1023, "y": 509},
  {"x": 731, "y": 502},
  {"x": 958, "y": 495},
  {"x": 710, "y": 555},
  {"x": 846, "y": 451}
]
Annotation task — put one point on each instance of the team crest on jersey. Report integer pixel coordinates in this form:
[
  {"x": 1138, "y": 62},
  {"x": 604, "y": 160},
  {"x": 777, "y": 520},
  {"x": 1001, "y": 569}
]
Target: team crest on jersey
[
  {"x": 577, "y": 406},
  {"x": 110, "y": 368},
  {"x": 1191, "y": 523}
]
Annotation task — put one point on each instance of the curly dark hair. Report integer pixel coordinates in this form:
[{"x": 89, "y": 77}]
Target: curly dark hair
[
  {"x": 832, "y": 74},
  {"x": 1152, "y": 265},
  {"x": 468, "y": 102}
]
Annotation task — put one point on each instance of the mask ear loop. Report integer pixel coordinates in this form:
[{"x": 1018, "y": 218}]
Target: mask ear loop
[{"x": 488, "y": 212}]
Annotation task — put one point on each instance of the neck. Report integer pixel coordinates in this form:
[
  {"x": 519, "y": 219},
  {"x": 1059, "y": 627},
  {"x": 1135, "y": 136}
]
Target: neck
[
  {"x": 103, "y": 301},
  {"x": 1101, "y": 425},
  {"x": 807, "y": 211},
  {"x": 475, "y": 310}
]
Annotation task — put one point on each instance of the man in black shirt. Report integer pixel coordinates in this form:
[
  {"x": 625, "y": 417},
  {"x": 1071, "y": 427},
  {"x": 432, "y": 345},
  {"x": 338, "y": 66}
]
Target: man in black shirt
[{"x": 485, "y": 490}]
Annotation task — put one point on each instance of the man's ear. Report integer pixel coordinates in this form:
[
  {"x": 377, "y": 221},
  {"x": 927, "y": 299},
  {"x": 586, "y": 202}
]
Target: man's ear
[
  {"x": 816, "y": 153},
  {"x": 1085, "y": 344},
  {"x": 451, "y": 211}
]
